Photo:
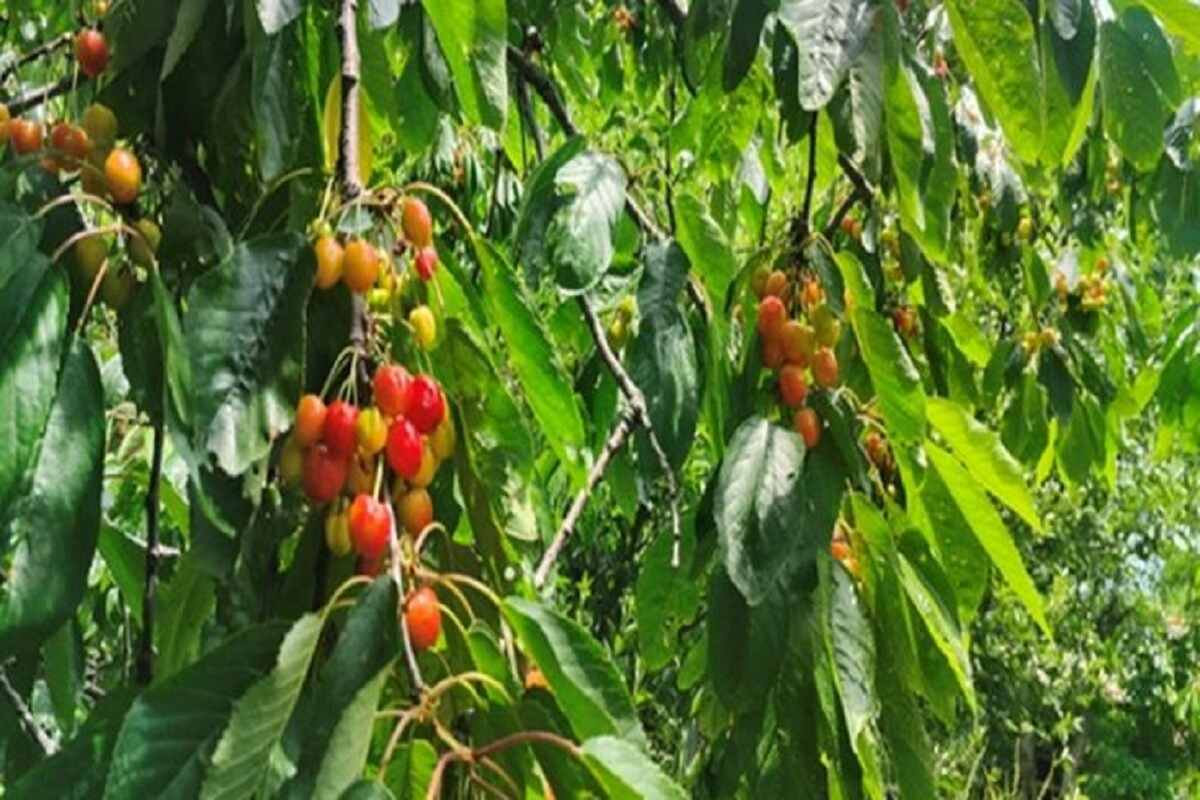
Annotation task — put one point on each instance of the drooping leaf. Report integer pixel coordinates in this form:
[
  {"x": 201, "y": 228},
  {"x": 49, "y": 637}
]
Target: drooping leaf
[
  {"x": 173, "y": 727},
  {"x": 744, "y": 656},
  {"x": 828, "y": 36},
  {"x": 347, "y": 752},
  {"x": 579, "y": 236},
  {"x": 626, "y": 772},
  {"x": 995, "y": 39},
  {"x": 1133, "y": 116},
  {"x": 748, "y": 19},
  {"x": 539, "y": 203},
  {"x": 759, "y": 505},
  {"x": 706, "y": 247},
  {"x": 474, "y": 35},
  {"x": 662, "y": 360},
  {"x": 55, "y": 524},
  {"x": 184, "y": 603},
  {"x": 242, "y": 756},
  {"x": 587, "y": 686},
  {"x": 896, "y": 381},
  {"x": 245, "y": 327}
]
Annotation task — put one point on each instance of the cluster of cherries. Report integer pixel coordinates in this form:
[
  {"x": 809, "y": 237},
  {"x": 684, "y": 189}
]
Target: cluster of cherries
[
  {"x": 336, "y": 448},
  {"x": 798, "y": 347}
]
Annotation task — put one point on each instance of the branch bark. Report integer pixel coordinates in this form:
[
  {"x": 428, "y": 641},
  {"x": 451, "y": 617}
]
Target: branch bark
[
  {"x": 26, "y": 716},
  {"x": 145, "y": 657},
  {"x": 40, "y": 95},
  {"x": 45, "y": 48},
  {"x": 862, "y": 192}
]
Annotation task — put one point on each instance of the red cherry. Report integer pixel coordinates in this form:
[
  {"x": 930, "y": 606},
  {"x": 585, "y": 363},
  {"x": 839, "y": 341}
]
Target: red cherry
[
  {"x": 423, "y": 618},
  {"x": 425, "y": 262},
  {"x": 370, "y": 526},
  {"x": 92, "y": 52},
  {"x": 341, "y": 433},
  {"x": 426, "y": 406},
  {"x": 404, "y": 448},
  {"x": 324, "y": 474},
  {"x": 771, "y": 316},
  {"x": 793, "y": 388},
  {"x": 371, "y": 567},
  {"x": 808, "y": 425},
  {"x": 825, "y": 368},
  {"x": 310, "y": 420},
  {"x": 391, "y": 385}
]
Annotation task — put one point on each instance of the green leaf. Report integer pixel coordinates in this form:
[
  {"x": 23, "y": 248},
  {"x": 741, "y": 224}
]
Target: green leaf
[
  {"x": 56, "y": 524},
  {"x": 744, "y": 37},
  {"x": 187, "y": 24},
  {"x": 172, "y": 728},
  {"x": 534, "y": 359},
  {"x": 584, "y": 681},
  {"x": 759, "y": 504},
  {"x": 1157, "y": 58},
  {"x": 989, "y": 529},
  {"x": 23, "y": 269},
  {"x": 411, "y": 770},
  {"x": 896, "y": 381},
  {"x": 539, "y": 203},
  {"x": 368, "y": 642},
  {"x": 275, "y": 14},
  {"x": 662, "y": 360},
  {"x": 1181, "y": 18},
  {"x": 347, "y": 752},
  {"x": 372, "y": 790},
  {"x": 828, "y": 34},
  {"x": 851, "y": 648},
  {"x": 242, "y": 757},
  {"x": 185, "y": 603},
  {"x": 245, "y": 327},
  {"x": 474, "y": 37},
  {"x": 984, "y": 455},
  {"x": 275, "y": 96},
  {"x": 1133, "y": 116},
  {"x": 63, "y": 656},
  {"x": 907, "y": 123},
  {"x": 579, "y": 237},
  {"x": 666, "y": 597},
  {"x": 941, "y": 624},
  {"x": 706, "y": 247},
  {"x": 743, "y": 649},
  {"x": 626, "y": 772},
  {"x": 29, "y": 361},
  {"x": 995, "y": 39}
]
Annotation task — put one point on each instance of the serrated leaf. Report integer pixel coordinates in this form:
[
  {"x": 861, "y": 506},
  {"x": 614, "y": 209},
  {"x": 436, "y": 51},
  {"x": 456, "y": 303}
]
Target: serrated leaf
[
  {"x": 759, "y": 505},
  {"x": 474, "y": 36},
  {"x": 172, "y": 728},
  {"x": 706, "y": 246},
  {"x": 184, "y": 603},
  {"x": 626, "y": 772},
  {"x": 829, "y": 34},
  {"x": 995, "y": 39},
  {"x": 985, "y": 456},
  {"x": 54, "y": 526},
  {"x": 245, "y": 326},
  {"x": 579, "y": 237},
  {"x": 743, "y": 652},
  {"x": 941, "y": 625},
  {"x": 896, "y": 381},
  {"x": 989, "y": 529},
  {"x": 347, "y": 752},
  {"x": 539, "y": 202},
  {"x": 242, "y": 758},
  {"x": 586, "y": 685}
]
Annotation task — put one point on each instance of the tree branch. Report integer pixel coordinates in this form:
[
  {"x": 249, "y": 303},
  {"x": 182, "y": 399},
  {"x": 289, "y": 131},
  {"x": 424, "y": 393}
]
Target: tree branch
[
  {"x": 526, "y": 109},
  {"x": 45, "y": 48},
  {"x": 862, "y": 191},
  {"x": 480, "y": 753},
  {"x": 348, "y": 165},
  {"x": 616, "y": 440},
  {"x": 410, "y": 655},
  {"x": 40, "y": 95},
  {"x": 26, "y": 716},
  {"x": 145, "y": 657},
  {"x": 806, "y": 220},
  {"x": 674, "y": 12}
]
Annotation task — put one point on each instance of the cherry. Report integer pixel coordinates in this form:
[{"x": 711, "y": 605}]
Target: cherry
[
  {"x": 5, "y": 120},
  {"x": 324, "y": 474},
  {"x": 372, "y": 431},
  {"x": 426, "y": 405},
  {"x": 444, "y": 439},
  {"x": 360, "y": 266},
  {"x": 337, "y": 531},
  {"x": 825, "y": 367},
  {"x": 417, "y": 224},
  {"x": 90, "y": 253},
  {"x": 404, "y": 448},
  {"x": 758, "y": 282},
  {"x": 78, "y": 144},
  {"x": 362, "y": 475},
  {"x": 143, "y": 248},
  {"x": 839, "y": 549},
  {"x": 808, "y": 425},
  {"x": 330, "y": 261},
  {"x": 370, "y": 526},
  {"x": 534, "y": 679},
  {"x": 905, "y": 321},
  {"x": 827, "y": 325},
  {"x": 793, "y": 388},
  {"x": 310, "y": 420},
  {"x": 117, "y": 287},
  {"x": 372, "y": 568},
  {"x": 291, "y": 462},
  {"x": 391, "y": 385},
  {"x": 26, "y": 136},
  {"x": 799, "y": 343},
  {"x": 92, "y": 52},
  {"x": 124, "y": 175},
  {"x": 100, "y": 124},
  {"x": 340, "y": 432},
  {"x": 772, "y": 353},
  {"x": 777, "y": 284},
  {"x": 771, "y": 316},
  {"x": 425, "y": 262},
  {"x": 423, "y": 618},
  {"x": 851, "y": 227},
  {"x": 812, "y": 294},
  {"x": 424, "y": 326},
  {"x": 1025, "y": 229},
  {"x": 429, "y": 465},
  {"x": 416, "y": 511},
  {"x": 59, "y": 135}
]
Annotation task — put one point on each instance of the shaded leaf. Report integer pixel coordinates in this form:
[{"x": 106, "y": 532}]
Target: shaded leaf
[{"x": 628, "y": 773}]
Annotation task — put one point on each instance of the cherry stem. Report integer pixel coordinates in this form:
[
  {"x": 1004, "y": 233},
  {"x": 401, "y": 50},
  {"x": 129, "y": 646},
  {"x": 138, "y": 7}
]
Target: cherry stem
[
  {"x": 499, "y": 745},
  {"x": 397, "y": 575}
]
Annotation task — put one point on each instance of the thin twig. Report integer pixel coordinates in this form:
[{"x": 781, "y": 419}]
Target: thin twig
[
  {"x": 27, "y": 721},
  {"x": 40, "y": 95},
  {"x": 479, "y": 753},
  {"x": 45, "y": 48},
  {"x": 862, "y": 192},
  {"x": 526, "y": 109},
  {"x": 145, "y": 657},
  {"x": 616, "y": 440},
  {"x": 806, "y": 220}
]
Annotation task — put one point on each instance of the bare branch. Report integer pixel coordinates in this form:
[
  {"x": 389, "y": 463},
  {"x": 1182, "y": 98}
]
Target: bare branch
[
  {"x": 480, "y": 753},
  {"x": 26, "y": 716},
  {"x": 862, "y": 191},
  {"x": 145, "y": 657},
  {"x": 40, "y": 95},
  {"x": 45, "y": 48}
]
